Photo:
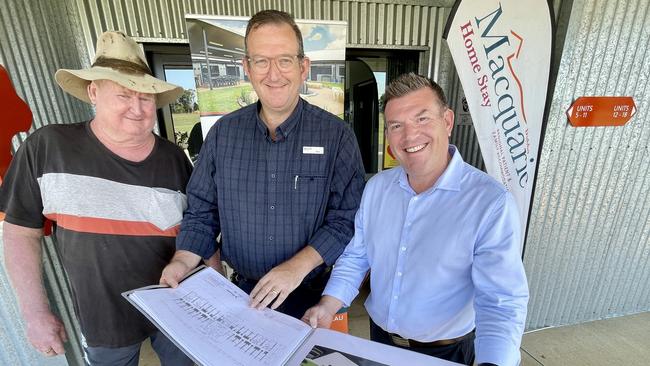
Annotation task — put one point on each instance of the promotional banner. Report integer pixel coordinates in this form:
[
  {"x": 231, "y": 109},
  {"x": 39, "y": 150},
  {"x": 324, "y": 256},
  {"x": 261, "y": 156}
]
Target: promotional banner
[
  {"x": 217, "y": 46},
  {"x": 502, "y": 53}
]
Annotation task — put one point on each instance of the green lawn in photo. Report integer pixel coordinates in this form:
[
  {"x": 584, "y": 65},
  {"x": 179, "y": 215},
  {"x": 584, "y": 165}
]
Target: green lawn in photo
[
  {"x": 222, "y": 100},
  {"x": 183, "y": 122},
  {"x": 330, "y": 85}
]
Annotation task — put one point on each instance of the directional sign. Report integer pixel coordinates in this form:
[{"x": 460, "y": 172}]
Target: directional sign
[{"x": 601, "y": 111}]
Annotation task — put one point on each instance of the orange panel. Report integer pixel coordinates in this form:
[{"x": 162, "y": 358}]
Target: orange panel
[{"x": 340, "y": 322}]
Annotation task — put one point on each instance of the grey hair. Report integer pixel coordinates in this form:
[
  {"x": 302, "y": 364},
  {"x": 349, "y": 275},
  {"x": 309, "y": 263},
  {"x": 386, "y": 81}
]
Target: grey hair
[{"x": 407, "y": 83}]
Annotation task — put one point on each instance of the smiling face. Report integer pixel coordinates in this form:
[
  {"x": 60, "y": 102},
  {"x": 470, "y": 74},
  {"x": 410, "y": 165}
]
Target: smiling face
[
  {"x": 418, "y": 129},
  {"x": 123, "y": 114},
  {"x": 278, "y": 90}
]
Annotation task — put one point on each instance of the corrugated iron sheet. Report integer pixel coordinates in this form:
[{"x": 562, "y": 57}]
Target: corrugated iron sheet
[
  {"x": 588, "y": 246},
  {"x": 36, "y": 38},
  {"x": 371, "y": 23}
]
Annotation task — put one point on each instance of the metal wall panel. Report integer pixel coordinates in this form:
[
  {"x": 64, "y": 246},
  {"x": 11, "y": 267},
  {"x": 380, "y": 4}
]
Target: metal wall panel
[
  {"x": 588, "y": 246},
  {"x": 36, "y": 38},
  {"x": 371, "y": 24},
  {"x": 33, "y": 50}
]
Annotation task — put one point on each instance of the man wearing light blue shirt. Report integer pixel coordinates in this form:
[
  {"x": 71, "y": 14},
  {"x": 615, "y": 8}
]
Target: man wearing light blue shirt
[{"x": 441, "y": 239}]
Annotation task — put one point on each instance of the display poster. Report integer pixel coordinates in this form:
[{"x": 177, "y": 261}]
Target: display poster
[{"x": 218, "y": 51}]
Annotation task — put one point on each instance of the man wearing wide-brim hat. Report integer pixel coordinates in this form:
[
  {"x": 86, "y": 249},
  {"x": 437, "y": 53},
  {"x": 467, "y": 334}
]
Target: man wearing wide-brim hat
[{"x": 116, "y": 193}]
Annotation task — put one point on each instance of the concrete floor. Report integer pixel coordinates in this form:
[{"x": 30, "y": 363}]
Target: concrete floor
[{"x": 617, "y": 341}]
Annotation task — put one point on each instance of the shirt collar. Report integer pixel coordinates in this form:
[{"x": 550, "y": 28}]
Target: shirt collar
[
  {"x": 449, "y": 180},
  {"x": 285, "y": 128}
]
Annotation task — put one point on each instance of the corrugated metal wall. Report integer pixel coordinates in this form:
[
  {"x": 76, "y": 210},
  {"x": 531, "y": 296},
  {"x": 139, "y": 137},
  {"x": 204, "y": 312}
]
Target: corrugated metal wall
[
  {"x": 371, "y": 23},
  {"x": 36, "y": 37},
  {"x": 588, "y": 249}
]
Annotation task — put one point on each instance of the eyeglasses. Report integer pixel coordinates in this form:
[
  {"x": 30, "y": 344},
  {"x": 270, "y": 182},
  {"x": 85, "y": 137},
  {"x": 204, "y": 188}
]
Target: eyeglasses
[{"x": 261, "y": 64}]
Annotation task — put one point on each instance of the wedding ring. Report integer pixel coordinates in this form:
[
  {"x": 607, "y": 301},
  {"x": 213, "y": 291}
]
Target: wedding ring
[
  {"x": 273, "y": 292},
  {"x": 48, "y": 351}
]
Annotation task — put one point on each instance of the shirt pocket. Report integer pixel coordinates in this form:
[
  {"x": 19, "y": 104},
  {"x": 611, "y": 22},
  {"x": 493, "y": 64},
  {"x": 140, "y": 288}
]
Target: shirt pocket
[
  {"x": 310, "y": 192},
  {"x": 166, "y": 207}
]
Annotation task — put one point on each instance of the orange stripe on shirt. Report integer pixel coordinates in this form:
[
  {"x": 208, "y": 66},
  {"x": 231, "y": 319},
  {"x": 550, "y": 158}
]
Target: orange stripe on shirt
[{"x": 109, "y": 226}]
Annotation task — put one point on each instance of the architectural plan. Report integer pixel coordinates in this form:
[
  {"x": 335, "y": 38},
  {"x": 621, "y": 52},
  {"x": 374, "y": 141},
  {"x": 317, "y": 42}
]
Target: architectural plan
[{"x": 210, "y": 319}]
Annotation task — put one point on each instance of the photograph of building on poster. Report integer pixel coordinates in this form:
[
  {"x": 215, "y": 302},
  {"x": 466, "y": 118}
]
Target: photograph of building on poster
[{"x": 217, "y": 46}]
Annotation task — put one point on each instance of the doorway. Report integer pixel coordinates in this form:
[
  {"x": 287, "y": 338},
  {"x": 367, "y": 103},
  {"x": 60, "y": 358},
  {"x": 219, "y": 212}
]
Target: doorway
[
  {"x": 180, "y": 121},
  {"x": 368, "y": 72}
]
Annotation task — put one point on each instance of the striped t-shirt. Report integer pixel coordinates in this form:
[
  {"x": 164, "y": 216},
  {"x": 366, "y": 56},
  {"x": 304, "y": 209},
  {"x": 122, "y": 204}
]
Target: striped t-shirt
[{"x": 115, "y": 220}]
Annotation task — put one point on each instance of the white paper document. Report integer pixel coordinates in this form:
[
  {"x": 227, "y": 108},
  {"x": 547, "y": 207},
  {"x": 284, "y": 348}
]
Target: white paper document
[{"x": 209, "y": 318}]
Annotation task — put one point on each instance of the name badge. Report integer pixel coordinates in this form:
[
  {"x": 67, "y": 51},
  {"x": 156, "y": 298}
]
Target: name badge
[{"x": 318, "y": 150}]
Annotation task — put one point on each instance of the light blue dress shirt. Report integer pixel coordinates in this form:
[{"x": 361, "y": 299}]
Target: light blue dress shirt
[{"x": 443, "y": 262}]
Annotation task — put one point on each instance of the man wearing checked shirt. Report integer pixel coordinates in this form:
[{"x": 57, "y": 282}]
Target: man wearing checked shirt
[
  {"x": 441, "y": 240},
  {"x": 281, "y": 181}
]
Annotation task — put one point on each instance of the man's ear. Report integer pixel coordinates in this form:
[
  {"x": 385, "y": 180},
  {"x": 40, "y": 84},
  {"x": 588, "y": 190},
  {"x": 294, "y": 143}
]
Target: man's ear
[
  {"x": 305, "y": 64},
  {"x": 92, "y": 92},
  {"x": 244, "y": 62},
  {"x": 448, "y": 116}
]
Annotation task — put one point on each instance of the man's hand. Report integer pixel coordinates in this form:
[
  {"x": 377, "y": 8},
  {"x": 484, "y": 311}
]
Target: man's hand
[
  {"x": 322, "y": 314},
  {"x": 276, "y": 285},
  {"x": 283, "y": 279},
  {"x": 180, "y": 265},
  {"x": 45, "y": 332}
]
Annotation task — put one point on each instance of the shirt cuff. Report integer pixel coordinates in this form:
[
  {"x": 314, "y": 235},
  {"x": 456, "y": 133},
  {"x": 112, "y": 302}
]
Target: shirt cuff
[
  {"x": 196, "y": 242},
  {"x": 493, "y": 350},
  {"x": 32, "y": 224},
  {"x": 341, "y": 291}
]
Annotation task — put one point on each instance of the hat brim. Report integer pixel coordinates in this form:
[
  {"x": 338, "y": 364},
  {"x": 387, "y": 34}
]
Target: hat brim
[{"x": 75, "y": 82}]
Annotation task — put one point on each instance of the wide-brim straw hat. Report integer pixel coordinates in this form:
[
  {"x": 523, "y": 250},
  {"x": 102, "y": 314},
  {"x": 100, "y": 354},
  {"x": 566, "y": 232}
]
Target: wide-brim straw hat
[{"x": 120, "y": 59}]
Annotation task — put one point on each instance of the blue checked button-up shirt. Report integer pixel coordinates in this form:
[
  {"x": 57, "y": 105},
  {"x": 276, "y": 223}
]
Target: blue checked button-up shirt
[
  {"x": 442, "y": 262},
  {"x": 270, "y": 199}
]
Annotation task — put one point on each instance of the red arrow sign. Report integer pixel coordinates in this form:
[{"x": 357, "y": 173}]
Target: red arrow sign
[{"x": 601, "y": 111}]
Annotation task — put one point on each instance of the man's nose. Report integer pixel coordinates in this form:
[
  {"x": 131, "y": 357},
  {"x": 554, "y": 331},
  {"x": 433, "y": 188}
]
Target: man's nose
[
  {"x": 136, "y": 105},
  {"x": 410, "y": 128},
  {"x": 274, "y": 71}
]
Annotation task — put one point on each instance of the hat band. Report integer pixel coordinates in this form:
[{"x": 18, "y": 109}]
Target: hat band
[{"x": 121, "y": 65}]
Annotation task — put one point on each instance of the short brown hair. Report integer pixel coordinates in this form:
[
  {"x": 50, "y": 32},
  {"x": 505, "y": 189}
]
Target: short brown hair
[
  {"x": 277, "y": 17},
  {"x": 411, "y": 82}
]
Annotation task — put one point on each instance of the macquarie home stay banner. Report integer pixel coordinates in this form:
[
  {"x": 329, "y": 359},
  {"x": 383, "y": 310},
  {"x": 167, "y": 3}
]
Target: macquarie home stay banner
[{"x": 502, "y": 53}]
